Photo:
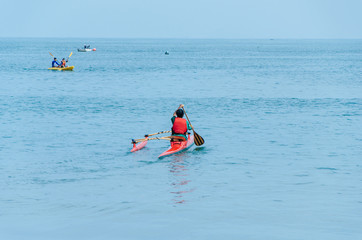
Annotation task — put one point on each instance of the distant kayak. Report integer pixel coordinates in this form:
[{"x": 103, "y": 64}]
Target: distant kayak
[
  {"x": 70, "y": 68},
  {"x": 179, "y": 146}
]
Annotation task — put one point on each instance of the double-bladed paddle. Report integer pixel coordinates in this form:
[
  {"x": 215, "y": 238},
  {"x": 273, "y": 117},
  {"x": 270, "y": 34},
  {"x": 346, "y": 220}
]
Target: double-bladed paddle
[{"x": 68, "y": 56}]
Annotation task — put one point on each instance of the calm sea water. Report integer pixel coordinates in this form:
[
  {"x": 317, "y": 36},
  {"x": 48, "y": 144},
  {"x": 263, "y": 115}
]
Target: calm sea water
[{"x": 282, "y": 121}]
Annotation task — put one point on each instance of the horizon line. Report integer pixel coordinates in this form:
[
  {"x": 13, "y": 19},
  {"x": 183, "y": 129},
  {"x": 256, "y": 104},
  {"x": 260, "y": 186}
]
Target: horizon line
[{"x": 193, "y": 38}]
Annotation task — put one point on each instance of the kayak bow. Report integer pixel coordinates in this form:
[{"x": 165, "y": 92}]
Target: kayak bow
[
  {"x": 137, "y": 147},
  {"x": 178, "y": 146}
]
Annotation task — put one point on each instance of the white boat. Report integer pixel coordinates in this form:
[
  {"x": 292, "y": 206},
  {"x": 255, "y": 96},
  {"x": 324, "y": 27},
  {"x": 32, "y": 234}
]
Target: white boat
[{"x": 84, "y": 50}]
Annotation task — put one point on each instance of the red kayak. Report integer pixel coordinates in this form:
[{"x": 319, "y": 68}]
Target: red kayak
[
  {"x": 179, "y": 146},
  {"x": 139, "y": 146}
]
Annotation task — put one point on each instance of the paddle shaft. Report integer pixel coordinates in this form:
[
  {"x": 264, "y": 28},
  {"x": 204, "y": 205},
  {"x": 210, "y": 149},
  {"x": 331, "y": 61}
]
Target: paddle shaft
[
  {"x": 148, "y": 135},
  {"x": 152, "y": 134},
  {"x": 70, "y": 56},
  {"x": 198, "y": 140},
  {"x": 188, "y": 120},
  {"x": 158, "y": 138},
  {"x": 155, "y": 138}
]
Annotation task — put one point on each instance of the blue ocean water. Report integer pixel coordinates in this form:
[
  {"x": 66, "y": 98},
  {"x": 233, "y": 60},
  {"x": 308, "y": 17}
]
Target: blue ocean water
[{"x": 281, "y": 119}]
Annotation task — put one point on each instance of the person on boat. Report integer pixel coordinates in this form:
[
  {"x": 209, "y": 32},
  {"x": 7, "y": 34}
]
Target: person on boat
[
  {"x": 63, "y": 63},
  {"x": 55, "y": 62},
  {"x": 180, "y": 125}
]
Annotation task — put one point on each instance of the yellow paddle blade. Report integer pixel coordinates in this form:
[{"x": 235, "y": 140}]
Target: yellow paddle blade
[
  {"x": 51, "y": 54},
  {"x": 70, "y": 54},
  {"x": 198, "y": 140}
]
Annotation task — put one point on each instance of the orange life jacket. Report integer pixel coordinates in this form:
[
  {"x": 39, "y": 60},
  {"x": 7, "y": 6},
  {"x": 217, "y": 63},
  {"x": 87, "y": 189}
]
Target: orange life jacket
[
  {"x": 63, "y": 63},
  {"x": 179, "y": 126}
]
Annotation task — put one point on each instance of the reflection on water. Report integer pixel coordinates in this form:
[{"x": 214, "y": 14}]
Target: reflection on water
[
  {"x": 199, "y": 149},
  {"x": 180, "y": 181}
]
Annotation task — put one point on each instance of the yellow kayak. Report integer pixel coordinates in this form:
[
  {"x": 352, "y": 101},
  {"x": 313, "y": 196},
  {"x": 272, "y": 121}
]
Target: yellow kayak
[{"x": 70, "y": 68}]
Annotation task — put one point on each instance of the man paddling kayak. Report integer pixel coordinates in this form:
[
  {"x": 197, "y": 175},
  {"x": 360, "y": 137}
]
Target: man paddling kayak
[
  {"x": 180, "y": 125},
  {"x": 55, "y": 62},
  {"x": 180, "y": 139}
]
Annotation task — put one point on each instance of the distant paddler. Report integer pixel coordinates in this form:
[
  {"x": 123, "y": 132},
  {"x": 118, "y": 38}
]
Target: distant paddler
[
  {"x": 61, "y": 66},
  {"x": 55, "y": 61},
  {"x": 62, "y": 63},
  {"x": 180, "y": 126}
]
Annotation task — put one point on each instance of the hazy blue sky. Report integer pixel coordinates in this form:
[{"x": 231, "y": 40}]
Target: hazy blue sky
[{"x": 182, "y": 18}]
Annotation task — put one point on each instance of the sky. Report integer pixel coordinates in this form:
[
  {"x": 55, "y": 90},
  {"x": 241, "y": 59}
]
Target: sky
[{"x": 182, "y": 18}]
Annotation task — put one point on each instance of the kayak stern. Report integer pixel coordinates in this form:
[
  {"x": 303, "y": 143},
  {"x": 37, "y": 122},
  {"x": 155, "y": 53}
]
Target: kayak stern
[{"x": 177, "y": 147}]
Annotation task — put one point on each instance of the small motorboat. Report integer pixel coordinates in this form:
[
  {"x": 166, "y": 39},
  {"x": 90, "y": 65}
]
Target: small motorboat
[{"x": 84, "y": 50}]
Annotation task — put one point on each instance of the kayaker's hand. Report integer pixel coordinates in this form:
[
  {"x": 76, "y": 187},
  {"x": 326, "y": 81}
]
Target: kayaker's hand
[{"x": 181, "y": 106}]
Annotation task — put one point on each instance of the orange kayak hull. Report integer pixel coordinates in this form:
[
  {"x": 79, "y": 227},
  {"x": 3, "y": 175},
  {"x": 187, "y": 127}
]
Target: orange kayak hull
[{"x": 177, "y": 147}]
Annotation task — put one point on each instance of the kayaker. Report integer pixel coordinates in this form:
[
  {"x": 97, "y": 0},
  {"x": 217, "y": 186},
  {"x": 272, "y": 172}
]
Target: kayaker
[
  {"x": 180, "y": 125},
  {"x": 63, "y": 62},
  {"x": 55, "y": 62}
]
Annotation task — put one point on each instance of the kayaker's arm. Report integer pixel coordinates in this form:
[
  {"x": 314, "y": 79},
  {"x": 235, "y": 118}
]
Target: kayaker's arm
[
  {"x": 189, "y": 126},
  {"x": 55, "y": 62}
]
